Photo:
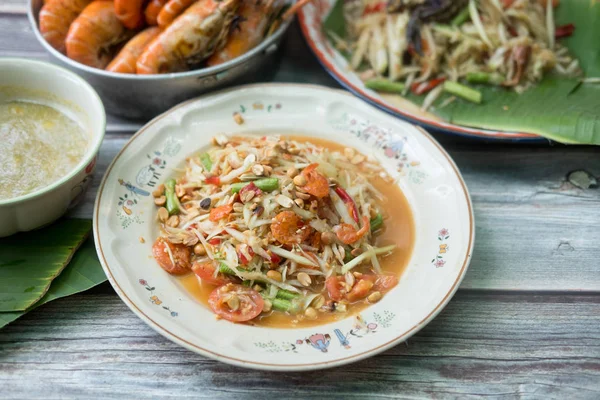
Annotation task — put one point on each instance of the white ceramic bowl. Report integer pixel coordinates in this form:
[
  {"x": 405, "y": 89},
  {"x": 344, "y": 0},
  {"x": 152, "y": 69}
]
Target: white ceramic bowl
[
  {"x": 444, "y": 225},
  {"x": 66, "y": 91}
]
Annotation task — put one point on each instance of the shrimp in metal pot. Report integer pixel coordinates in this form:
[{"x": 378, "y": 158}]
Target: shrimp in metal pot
[
  {"x": 152, "y": 10},
  {"x": 191, "y": 38},
  {"x": 172, "y": 10},
  {"x": 55, "y": 18},
  {"x": 93, "y": 34},
  {"x": 125, "y": 61},
  {"x": 248, "y": 30},
  {"x": 130, "y": 13}
]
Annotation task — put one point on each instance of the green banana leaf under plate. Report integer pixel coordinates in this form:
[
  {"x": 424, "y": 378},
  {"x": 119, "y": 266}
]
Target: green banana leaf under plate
[
  {"x": 558, "y": 108},
  {"x": 43, "y": 265}
]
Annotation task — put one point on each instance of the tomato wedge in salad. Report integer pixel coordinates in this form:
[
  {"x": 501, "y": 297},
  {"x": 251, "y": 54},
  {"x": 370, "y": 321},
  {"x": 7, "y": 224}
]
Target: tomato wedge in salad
[
  {"x": 236, "y": 303},
  {"x": 206, "y": 272}
]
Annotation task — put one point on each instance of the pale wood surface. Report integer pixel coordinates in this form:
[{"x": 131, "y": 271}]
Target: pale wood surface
[{"x": 524, "y": 324}]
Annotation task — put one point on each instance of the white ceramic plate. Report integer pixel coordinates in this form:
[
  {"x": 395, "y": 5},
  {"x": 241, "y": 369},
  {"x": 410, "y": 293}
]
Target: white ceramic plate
[{"x": 125, "y": 212}]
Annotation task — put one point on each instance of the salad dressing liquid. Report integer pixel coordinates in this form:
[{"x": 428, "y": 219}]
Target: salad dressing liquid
[{"x": 398, "y": 229}]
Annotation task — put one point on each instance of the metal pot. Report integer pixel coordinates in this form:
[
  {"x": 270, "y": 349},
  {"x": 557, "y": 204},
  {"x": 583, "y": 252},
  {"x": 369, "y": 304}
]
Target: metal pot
[{"x": 145, "y": 96}]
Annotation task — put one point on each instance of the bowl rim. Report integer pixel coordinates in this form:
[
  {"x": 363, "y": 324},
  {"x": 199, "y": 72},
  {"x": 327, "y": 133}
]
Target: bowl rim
[
  {"x": 211, "y": 353},
  {"x": 202, "y": 72},
  {"x": 96, "y": 139}
]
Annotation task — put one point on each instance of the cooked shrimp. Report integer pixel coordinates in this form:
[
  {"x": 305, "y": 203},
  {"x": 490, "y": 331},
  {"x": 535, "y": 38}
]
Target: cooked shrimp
[
  {"x": 55, "y": 18},
  {"x": 125, "y": 61},
  {"x": 130, "y": 13},
  {"x": 191, "y": 38},
  {"x": 287, "y": 228},
  {"x": 172, "y": 10},
  {"x": 175, "y": 260},
  {"x": 317, "y": 184},
  {"x": 248, "y": 31},
  {"x": 93, "y": 34},
  {"x": 152, "y": 10},
  {"x": 348, "y": 234}
]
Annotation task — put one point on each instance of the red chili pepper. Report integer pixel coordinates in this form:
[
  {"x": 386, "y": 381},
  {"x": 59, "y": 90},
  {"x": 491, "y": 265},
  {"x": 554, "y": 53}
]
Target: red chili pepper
[
  {"x": 349, "y": 202},
  {"x": 564, "y": 31},
  {"x": 213, "y": 180},
  {"x": 375, "y": 8},
  {"x": 275, "y": 259},
  {"x": 420, "y": 88},
  {"x": 215, "y": 241},
  {"x": 243, "y": 258}
]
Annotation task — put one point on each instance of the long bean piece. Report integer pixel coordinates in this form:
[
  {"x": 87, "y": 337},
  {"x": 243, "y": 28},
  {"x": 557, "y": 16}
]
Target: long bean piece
[
  {"x": 376, "y": 222},
  {"x": 265, "y": 184},
  {"x": 278, "y": 304},
  {"x": 206, "y": 161},
  {"x": 383, "y": 85},
  {"x": 172, "y": 201},
  {"x": 286, "y": 294},
  {"x": 463, "y": 91}
]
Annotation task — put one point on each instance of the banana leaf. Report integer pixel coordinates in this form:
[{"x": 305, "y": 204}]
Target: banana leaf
[
  {"x": 558, "y": 108},
  {"x": 30, "y": 261},
  {"x": 83, "y": 272}
]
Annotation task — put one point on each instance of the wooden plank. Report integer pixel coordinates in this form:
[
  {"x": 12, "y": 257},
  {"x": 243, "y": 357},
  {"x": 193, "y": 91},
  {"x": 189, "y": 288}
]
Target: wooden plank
[
  {"x": 501, "y": 346},
  {"x": 534, "y": 230},
  {"x": 16, "y": 37},
  {"x": 532, "y": 225},
  {"x": 17, "y": 7}
]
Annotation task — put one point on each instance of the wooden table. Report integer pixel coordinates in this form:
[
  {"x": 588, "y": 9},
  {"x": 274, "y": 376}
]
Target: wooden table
[{"x": 525, "y": 323}]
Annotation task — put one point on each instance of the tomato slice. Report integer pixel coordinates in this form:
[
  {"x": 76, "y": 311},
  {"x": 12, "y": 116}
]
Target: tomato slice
[
  {"x": 206, "y": 272},
  {"x": 213, "y": 180},
  {"x": 333, "y": 285},
  {"x": 360, "y": 290},
  {"x": 364, "y": 285},
  {"x": 250, "y": 306},
  {"x": 220, "y": 212},
  {"x": 385, "y": 283},
  {"x": 181, "y": 255}
]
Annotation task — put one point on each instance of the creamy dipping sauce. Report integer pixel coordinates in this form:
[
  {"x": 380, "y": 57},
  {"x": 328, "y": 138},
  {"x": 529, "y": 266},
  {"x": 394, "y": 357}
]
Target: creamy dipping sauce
[{"x": 38, "y": 145}]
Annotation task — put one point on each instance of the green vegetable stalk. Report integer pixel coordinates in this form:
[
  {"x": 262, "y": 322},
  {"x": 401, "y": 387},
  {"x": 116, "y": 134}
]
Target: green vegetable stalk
[
  {"x": 461, "y": 18},
  {"x": 224, "y": 269},
  {"x": 463, "y": 91},
  {"x": 206, "y": 161},
  {"x": 172, "y": 200},
  {"x": 483, "y": 77},
  {"x": 384, "y": 85},
  {"x": 286, "y": 294},
  {"x": 377, "y": 222},
  {"x": 279, "y": 304},
  {"x": 265, "y": 184}
]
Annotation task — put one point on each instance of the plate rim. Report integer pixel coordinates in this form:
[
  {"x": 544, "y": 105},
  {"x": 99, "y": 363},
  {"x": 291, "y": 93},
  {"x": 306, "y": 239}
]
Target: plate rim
[
  {"x": 445, "y": 127},
  {"x": 164, "y": 331}
]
